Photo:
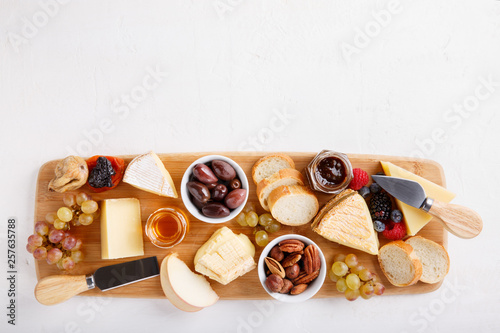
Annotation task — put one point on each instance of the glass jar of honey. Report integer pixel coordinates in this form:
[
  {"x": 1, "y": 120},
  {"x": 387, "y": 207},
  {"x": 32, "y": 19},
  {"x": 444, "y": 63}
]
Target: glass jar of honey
[
  {"x": 167, "y": 227},
  {"x": 329, "y": 172}
]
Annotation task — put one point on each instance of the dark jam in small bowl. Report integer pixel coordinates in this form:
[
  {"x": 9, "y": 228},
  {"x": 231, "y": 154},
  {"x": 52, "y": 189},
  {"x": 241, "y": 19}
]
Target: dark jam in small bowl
[{"x": 329, "y": 172}]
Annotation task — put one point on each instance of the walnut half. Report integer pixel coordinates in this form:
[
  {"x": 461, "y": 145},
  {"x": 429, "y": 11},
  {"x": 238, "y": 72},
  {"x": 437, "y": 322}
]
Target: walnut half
[{"x": 70, "y": 173}]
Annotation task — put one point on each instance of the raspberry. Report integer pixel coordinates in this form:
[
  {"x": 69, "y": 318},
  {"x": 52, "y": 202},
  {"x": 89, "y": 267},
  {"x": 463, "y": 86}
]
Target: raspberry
[
  {"x": 359, "y": 180},
  {"x": 394, "y": 231}
]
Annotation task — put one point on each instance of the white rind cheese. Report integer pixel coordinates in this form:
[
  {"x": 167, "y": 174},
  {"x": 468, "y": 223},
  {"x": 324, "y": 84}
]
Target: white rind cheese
[
  {"x": 121, "y": 229},
  {"x": 147, "y": 172},
  {"x": 225, "y": 256}
]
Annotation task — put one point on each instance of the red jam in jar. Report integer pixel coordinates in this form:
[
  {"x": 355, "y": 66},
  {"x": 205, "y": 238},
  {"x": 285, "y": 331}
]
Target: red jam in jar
[{"x": 329, "y": 172}]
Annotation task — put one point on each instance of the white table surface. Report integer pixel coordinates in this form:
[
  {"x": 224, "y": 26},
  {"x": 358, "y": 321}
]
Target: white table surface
[{"x": 370, "y": 77}]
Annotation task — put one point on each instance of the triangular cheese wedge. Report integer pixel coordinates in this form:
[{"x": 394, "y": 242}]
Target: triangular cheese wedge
[
  {"x": 346, "y": 220},
  {"x": 415, "y": 218},
  {"x": 148, "y": 173}
]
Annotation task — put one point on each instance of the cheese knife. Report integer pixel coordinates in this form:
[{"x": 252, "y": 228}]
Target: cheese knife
[
  {"x": 459, "y": 220},
  {"x": 59, "y": 288}
]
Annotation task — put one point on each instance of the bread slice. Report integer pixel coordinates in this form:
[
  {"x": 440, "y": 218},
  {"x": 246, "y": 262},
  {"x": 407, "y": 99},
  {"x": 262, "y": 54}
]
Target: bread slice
[
  {"x": 282, "y": 177},
  {"x": 434, "y": 258},
  {"x": 346, "y": 220},
  {"x": 400, "y": 263},
  {"x": 293, "y": 205},
  {"x": 269, "y": 165}
]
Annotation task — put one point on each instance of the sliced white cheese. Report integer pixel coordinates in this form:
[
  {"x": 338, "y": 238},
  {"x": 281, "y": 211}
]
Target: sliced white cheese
[
  {"x": 147, "y": 172},
  {"x": 225, "y": 256},
  {"x": 121, "y": 229}
]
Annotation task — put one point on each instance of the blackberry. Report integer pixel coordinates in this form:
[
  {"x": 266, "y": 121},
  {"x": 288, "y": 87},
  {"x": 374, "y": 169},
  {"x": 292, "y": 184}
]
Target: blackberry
[{"x": 380, "y": 206}]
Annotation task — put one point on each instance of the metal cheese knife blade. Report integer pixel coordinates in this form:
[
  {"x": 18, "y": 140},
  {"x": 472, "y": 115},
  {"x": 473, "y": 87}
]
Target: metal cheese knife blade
[
  {"x": 59, "y": 288},
  {"x": 459, "y": 220}
]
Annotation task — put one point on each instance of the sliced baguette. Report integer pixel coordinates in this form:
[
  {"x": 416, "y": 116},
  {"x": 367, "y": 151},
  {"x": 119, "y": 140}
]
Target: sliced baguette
[
  {"x": 293, "y": 205},
  {"x": 269, "y": 165},
  {"x": 282, "y": 177},
  {"x": 434, "y": 258},
  {"x": 400, "y": 263}
]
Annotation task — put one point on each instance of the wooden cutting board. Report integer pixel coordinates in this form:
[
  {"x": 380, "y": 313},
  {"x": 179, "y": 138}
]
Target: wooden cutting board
[{"x": 247, "y": 286}]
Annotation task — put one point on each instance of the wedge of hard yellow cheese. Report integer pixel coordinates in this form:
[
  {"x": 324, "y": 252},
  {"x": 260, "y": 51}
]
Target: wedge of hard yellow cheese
[{"x": 415, "y": 218}]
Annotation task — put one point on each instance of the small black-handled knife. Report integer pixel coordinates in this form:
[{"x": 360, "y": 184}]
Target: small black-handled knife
[
  {"x": 59, "y": 288},
  {"x": 459, "y": 220}
]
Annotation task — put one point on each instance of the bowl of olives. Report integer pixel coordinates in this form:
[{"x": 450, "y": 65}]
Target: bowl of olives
[{"x": 214, "y": 189}]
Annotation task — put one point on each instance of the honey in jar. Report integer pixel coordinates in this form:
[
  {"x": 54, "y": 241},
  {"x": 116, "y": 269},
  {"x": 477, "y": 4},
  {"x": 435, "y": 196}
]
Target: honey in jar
[{"x": 167, "y": 227}]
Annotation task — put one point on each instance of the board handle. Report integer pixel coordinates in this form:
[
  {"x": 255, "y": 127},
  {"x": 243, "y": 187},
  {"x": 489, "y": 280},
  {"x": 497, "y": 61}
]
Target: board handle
[
  {"x": 459, "y": 220},
  {"x": 59, "y": 288}
]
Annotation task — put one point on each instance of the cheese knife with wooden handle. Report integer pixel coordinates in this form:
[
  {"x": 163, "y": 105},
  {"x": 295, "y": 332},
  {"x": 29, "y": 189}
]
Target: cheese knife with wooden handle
[
  {"x": 458, "y": 220},
  {"x": 59, "y": 288}
]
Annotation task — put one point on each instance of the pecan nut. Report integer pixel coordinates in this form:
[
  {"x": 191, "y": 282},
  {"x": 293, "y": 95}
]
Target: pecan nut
[
  {"x": 275, "y": 267},
  {"x": 291, "y": 245},
  {"x": 298, "y": 289},
  {"x": 312, "y": 261},
  {"x": 291, "y": 259},
  {"x": 305, "y": 278}
]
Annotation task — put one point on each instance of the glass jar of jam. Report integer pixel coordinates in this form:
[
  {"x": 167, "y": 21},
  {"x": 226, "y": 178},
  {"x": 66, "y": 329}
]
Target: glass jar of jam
[
  {"x": 167, "y": 227},
  {"x": 329, "y": 172}
]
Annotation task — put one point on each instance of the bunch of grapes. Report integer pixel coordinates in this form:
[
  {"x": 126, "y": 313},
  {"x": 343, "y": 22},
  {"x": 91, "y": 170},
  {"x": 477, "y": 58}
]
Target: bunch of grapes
[
  {"x": 80, "y": 209},
  {"x": 263, "y": 224},
  {"x": 353, "y": 279},
  {"x": 55, "y": 246}
]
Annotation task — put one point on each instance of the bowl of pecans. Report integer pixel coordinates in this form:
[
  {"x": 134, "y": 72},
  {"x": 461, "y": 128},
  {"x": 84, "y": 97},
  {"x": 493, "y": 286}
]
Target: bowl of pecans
[{"x": 292, "y": 268}]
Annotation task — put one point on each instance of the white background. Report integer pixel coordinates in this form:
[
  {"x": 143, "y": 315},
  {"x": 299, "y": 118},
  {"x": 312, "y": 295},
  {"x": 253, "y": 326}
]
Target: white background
[{"x": 355, "y": 76}]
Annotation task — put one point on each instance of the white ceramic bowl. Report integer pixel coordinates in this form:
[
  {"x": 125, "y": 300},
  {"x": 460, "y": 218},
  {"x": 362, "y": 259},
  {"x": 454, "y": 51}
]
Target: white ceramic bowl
[
  {"x": 314, "y": 286},
  {"x": 185, "y": 193}
]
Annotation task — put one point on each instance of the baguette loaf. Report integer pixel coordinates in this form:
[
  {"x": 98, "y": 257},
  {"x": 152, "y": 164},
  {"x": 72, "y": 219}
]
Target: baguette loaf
[
  {"x": 270, "y": 164},
  {"x": 282, "y": 177},
  {"x": 434, "y": 258},
  {"x": 400, "y": 263},
  {"x": 293, "y": 205}
]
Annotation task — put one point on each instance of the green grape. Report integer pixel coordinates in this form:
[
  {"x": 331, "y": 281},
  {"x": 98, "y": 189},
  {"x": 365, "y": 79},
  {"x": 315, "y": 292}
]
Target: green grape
[
  {"x": 85, "y": 219},
  {"x": 333, "y": 276},
  {"x": 365, "y": 275},
  {"x": 261, "y": 238},
  {"x": 252, "y": 219},
  {"x": 96, "y": 214},
  {"x": 366, "y": 291},
  {"x": 65, "y": 214},
  {"x": 339, "y": 257},
  {"x": 50, "y": 217},
  {"x": 59, "y": 225},
  {"x": 241, "y": 219},
  {"x": 77, "y": 256},
  {"x": 69, "y": 199},
  {"x": 341, "y": 285},
  {"x": 81, "y": 197},
  {"x": 265, "y": 219},
  {"x": 375, "y": 278},
  {"x": 353, "y": 281},
  {"x": 357, "y": 269},
  {"x": 89, "y": 206},
  {"x": 78, "y": 245},
  {"x": 249, "y": 207},
  {"x": 351, "y": 260},
  {"x": 351, "y": 295},
  {"x": 273, "y": 227},
  {"x": 339, "y": 268},
  {"x": 378, "y": 288}
]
